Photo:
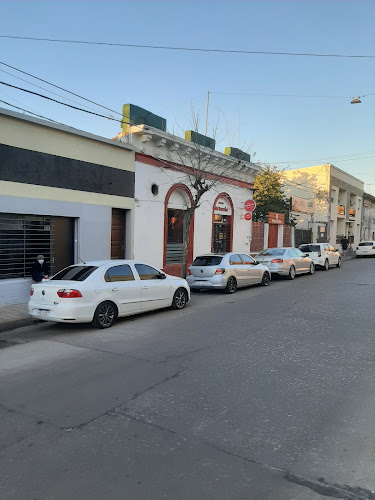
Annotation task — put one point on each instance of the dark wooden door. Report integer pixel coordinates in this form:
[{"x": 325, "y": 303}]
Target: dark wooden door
[
  {"x": 62, "y": 243},
  {"x": 118, "y": 234},
  {"x": 272, "y": 235}
]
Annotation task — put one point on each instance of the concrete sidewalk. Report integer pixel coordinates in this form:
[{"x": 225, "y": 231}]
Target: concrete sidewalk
[{"x": 14, "y": 316}]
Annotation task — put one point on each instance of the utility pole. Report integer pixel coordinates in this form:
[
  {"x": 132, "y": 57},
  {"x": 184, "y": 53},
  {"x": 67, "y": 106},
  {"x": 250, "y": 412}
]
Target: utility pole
[{"x": 208, "y": 101}]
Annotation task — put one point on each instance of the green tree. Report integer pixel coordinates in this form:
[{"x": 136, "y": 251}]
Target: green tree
[{"x": 269, "y": 195}]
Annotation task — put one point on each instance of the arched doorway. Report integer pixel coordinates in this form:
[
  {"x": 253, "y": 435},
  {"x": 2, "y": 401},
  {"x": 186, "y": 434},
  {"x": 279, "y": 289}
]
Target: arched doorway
[
  {"x": 222, "y": 224},
  {"x": 177, "y": 201}
]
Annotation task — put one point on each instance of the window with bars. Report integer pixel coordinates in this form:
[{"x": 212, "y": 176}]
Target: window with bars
[{"x": 22, "y": 238}]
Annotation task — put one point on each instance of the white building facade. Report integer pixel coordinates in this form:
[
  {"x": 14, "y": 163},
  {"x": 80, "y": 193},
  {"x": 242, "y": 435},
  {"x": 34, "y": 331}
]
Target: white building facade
[
  {"x": 163, "y": 191},
  {"x": 368, "y": 218}
]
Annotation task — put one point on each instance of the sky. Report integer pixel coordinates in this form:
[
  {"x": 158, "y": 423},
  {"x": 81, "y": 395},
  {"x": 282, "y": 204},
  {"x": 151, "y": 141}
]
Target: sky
[{"x": 288, "y": 131}]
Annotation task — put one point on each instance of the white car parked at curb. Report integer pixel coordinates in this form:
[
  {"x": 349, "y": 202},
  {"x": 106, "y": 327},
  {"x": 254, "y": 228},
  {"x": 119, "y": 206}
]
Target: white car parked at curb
[
  {"x": 101, "y": 291},
  {"x": 322, "y": 254},
  {"x": 365, "y": 248}
]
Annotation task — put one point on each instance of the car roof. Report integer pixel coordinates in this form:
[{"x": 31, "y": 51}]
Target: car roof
[{"x": 115, "y": 262}]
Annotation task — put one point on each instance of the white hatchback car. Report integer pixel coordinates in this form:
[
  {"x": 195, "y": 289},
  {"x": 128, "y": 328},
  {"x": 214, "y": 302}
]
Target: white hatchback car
[
  {"x": 365, "y": 248},
  {"x": 322, "y": 254},
  {"x": 101, "y": 291}
]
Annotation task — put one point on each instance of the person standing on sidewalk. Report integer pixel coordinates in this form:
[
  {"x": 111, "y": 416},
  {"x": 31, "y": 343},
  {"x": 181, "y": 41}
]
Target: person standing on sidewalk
[
  {"x": 344, "y": 244},
  {"x": 40, "y": 270}
]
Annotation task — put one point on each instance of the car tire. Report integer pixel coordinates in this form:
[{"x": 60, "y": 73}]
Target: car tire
[
  {"x": 266, "y": 279},
  {"x": 339, "y": 262},
  {"x": 292, "y": 273},
  {"x": 105, "y": 314},
  {"x": 326, "y": 265},
  {"x": 180, "y": 299},
  {"x": 312, "y": 268},
  {"x": 231, "y": 285}
]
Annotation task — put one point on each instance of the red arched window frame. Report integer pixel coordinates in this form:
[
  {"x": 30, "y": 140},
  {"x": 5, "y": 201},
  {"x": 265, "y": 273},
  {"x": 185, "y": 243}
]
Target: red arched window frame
[
  {"x": 185, "y": 189},
  {"x": 228, "y": 198}
]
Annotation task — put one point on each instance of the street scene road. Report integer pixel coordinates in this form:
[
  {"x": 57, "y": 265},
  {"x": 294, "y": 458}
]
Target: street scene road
[{"x": 264, "y": 394}]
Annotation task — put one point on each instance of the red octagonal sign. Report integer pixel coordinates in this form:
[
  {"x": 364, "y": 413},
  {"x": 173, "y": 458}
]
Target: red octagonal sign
[
  {"x": 250, "y": 205},
  {"x": 248, "y": 216}
]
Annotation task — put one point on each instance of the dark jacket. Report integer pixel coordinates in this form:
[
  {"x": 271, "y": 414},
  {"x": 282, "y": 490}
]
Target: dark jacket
[
  {"x": 344, "y": 243},
  {"x": 39, "y": 271}
]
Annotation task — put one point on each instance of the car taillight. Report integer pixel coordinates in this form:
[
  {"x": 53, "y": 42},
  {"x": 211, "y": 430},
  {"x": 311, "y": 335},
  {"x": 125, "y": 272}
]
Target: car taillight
[
  {"x": 277, "y": 261},
  {"x": 219, "y": 271},
  {"x": 31, "y": 292},
  {"x": 373, "y": 248},
  {"x": 188, "y": 272},
  {"x": 67, "y": 293},
  {"x": 319, "y": 253}
]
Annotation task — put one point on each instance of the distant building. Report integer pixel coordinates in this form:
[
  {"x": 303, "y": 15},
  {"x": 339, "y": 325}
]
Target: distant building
[
  {"x": 368, "y": 217},
  {"x": 326, "y": 204},
  {"x": 64, "y": 193}
]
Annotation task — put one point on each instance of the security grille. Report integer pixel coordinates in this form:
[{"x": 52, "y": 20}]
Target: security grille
[
  {"x": 221, "y": 238},
  {"x": 22, "y": 238}
]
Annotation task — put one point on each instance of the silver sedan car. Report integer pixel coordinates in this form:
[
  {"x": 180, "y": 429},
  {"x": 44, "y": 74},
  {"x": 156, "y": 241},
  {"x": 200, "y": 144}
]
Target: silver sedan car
[
  {"x": 287, "y": 261},
  {"x": 226, "y": 271}
]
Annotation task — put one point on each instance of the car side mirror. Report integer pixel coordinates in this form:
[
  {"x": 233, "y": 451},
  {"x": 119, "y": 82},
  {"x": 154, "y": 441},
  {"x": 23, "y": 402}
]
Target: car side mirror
[
  {"x": 257, "y": 262},
  {"x": 306, "y": 255},
  {"x": 163, "y": 276},
  {"x": 336, "y": 249}
]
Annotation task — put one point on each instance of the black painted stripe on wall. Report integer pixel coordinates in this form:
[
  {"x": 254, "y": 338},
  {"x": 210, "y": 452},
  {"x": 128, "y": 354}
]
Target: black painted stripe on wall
[{"x": 42, "y": 169}]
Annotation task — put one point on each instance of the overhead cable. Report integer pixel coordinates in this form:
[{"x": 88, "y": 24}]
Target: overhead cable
[{"x": 190, "y": 49}]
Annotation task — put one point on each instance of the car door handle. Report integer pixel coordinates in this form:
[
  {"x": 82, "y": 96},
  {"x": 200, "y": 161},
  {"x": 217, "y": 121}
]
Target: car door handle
[
  {"x": 114, "y": 289},
  {"x": 145, "y": 287}
]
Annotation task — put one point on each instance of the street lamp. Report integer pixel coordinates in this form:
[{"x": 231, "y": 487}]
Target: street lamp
[{"x": 356, "y": 100}]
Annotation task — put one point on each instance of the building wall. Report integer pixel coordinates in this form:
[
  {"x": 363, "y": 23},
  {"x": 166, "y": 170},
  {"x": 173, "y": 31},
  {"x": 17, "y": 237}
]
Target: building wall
[
  {"x": 150, "y": 213},
  {"x": 368, "y": 218},
  {"x": 327, "y": 187},
  {"x": 56, "y": 171}
]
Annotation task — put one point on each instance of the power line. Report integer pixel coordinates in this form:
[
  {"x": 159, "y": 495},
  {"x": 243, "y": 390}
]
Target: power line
[
  {"x": 189, "y": 49},
  {"x": 60, "y": 88},
  {"x": 63, "y": 103},
  {"x": 32, "y": 113},
  {"x": 288, "y": 95},
  {"x": 347, "y": 157},
  {"x": 40, "y": 87}
]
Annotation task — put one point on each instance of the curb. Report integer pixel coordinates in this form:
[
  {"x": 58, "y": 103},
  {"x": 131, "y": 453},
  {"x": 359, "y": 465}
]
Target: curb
[{"x": 17, "y": 323}]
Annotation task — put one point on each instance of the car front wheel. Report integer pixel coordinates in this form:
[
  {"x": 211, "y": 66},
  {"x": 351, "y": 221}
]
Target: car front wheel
[
  {"x": 105, "y": 315},
  {"x": 312, "y": 268},
  {"x": 292, "y": 272},
  {"x": 326, "y": 265},
  {"x": 339, "y": 262},
  {"x": 180, "y": 299}
]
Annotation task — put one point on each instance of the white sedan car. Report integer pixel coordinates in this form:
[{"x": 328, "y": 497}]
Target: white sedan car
[
  {"x": 101, "y": 291},
  {"x": 365, "y": 248}
]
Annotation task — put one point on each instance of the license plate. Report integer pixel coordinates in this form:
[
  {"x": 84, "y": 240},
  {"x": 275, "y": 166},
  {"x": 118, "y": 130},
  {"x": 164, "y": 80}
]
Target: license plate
[
  {"x": 200, "y": 283},
  {"x": 43, "y": 312}
]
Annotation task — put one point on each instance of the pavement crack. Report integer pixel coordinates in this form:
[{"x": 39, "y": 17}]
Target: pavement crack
[
  {"x": 334, "y": 490},
  {"x": 116, "y": 409}
]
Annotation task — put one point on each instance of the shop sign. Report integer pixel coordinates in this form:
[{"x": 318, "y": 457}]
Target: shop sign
[
  {"x": 248, "y": 216},
  {"x": 222, "y": 206},
  {"x": 250, "y": 206},
  {"x": 351, "y": 212},
  {"x": 275, "y": 218},
  {"x": 341, "y": 210}
]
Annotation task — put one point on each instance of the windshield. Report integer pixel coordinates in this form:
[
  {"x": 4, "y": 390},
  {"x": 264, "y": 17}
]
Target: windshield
[
  {"x": 366, "y": 244},
  {"x": 209, "y": 260},
  {"x": 272, "y": 251},
  {"x": 74, "y": 273},
  {"x": 309, "y": 248}
]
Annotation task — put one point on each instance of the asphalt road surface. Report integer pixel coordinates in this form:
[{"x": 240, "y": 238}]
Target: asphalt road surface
[{"x": 265, "y": 394}]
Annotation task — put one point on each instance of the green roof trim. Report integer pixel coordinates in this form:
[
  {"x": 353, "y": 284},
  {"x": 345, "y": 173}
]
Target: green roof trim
[
  {"x": 237, "y": 153},
  {"x": 202, "y": 140},
  {"x": 134, "y": 115}
]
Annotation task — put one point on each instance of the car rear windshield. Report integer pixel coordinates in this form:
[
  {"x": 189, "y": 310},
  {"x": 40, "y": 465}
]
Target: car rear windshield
[
  {"x": 366, "y": 244},
  {"x": 209, "y": 260},
  {"x": 272, "y": 251},
  {"x": 74, "y": 273},
  {"x": 309, "y": 248}
]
